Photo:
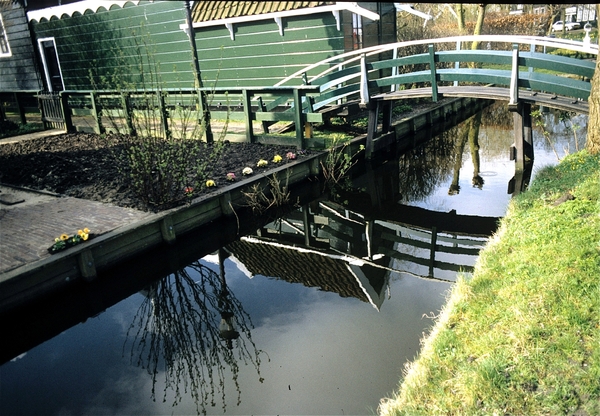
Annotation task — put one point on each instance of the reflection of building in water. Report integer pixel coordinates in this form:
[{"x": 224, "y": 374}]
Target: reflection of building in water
[
  {"x": 337, "y": 250},
  {"x": 329, "y": 271}
]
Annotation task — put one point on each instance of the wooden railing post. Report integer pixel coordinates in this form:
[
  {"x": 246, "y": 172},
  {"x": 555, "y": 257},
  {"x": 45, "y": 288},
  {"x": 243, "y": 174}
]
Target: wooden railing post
[
  {"x": 164, "y": 114},
  {"x": 97, "y": 113},
  {"x": 248, "y": 116},
  {"x": 298, "y": 118},
  {"x": 128, "y": 117},
  {"x": 457, "y": 63},
  {"x": 364, "y": 80},
  {"x": 66, "y": 112},
  {"x": 514, "y": 78},
  {"x": 393, "y": 87},
  {"x": 434, "y": 88}
]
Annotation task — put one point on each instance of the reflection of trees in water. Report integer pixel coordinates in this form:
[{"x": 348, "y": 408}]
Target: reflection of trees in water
[
  {"x": 184, "y": 327},
  {"x": 469, "y": 130},
  {"x": 497, "y": 131},
  {"x": 423, "y": 168}
]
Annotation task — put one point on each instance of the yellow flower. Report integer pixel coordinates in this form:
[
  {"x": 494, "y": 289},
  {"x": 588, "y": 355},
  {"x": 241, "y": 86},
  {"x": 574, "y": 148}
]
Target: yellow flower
[
  {"x": 210, "y": 183},
  {"x": 85, "y": 236},
  {"x": 86, "y": 230},
  {"x": 64, "y": 237},
  {"x": 277, "y": 159},
  {"x": 261, "y": 163}
]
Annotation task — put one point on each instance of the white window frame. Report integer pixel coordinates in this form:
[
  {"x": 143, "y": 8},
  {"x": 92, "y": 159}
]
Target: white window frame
[
  {"x": 45, "y": 64},
  {"x": 5, "y": 38},
  {"x": 357, "y": 32}
]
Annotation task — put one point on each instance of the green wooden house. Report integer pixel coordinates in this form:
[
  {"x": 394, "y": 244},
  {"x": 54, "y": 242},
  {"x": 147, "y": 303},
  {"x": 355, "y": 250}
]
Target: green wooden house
[{"x": 100, "y": 44}]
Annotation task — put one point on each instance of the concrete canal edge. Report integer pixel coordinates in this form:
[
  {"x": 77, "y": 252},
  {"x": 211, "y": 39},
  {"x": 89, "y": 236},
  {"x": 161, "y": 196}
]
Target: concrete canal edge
[{"x": 83, "y": 262}]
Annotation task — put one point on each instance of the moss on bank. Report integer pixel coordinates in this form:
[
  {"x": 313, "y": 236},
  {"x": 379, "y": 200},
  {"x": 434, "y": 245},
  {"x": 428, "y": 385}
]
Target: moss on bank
[{"x": 522, "y": 336}]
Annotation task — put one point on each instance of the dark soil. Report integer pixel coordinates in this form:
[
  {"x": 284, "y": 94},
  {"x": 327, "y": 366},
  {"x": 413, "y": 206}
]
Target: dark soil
[{"x": 84, "y": 165}]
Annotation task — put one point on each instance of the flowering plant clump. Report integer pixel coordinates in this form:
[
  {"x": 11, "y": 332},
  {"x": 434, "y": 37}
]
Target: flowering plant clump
[
  {"x": 210, "y": 183},
  {"x": 277, "y": 159},
  {"x": 247, "y": 171},
  {"x": 231, "y": 176},
  {"x": 188, "y": 191},
  {"x": 290, "y": 155},
  {"x": 262, "y": 163},
  {"x": 66, "y": 241}
]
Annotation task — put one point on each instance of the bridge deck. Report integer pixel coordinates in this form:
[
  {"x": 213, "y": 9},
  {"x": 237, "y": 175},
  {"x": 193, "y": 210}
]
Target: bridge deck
[{"x": 491, "y": 93}]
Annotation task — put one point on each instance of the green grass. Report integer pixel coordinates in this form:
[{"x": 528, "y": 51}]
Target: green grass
[{"x": 522, "y": 336}]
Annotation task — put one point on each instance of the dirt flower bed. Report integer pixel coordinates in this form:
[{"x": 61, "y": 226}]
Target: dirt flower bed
[{"x": 85, "y": 165}]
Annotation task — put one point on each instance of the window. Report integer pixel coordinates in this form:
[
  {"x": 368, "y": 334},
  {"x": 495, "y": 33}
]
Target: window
[
  {"x": 357, "y": 35},
  {"x": 4, "y": 46}
]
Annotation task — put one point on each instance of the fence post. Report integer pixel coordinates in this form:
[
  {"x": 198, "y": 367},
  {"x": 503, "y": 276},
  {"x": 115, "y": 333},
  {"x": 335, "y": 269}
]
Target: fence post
[
  {"x": 164, "y": 114},
  {"x": 66, "y": 111},
  {"x": 96, "y": 113},
  {"x": 127, "y": 109},
  {"x": 248, "y": 116},
  {"x": 298, "y": 118},
  {"x": 434, "y": 89}
]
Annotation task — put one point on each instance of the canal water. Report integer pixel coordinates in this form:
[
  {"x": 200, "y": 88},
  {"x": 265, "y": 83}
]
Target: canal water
[{"x": 316, "y": 312}]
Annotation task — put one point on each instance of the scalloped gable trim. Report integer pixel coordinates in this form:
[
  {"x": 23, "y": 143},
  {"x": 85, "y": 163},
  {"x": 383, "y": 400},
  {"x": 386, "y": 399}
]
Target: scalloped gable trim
[{"x": 79, "y": 7}]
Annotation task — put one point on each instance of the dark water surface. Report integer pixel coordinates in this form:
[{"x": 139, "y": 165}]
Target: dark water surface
[{"x": 321, "y": 328}]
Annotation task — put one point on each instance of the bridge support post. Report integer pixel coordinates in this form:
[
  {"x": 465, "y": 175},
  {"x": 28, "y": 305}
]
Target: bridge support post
[
  {"x": 371, "y": 127},
  {"x": 522, "y": 149}
]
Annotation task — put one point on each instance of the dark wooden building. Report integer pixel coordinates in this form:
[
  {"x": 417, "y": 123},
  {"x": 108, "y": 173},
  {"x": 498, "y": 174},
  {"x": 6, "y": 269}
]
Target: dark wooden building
[{"x": 18, "y": 66}]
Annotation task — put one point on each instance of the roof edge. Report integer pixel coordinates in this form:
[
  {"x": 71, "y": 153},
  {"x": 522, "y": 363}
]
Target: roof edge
[
  {"x": 335, "y": 8},
  {"x": 80, "y": 6}
]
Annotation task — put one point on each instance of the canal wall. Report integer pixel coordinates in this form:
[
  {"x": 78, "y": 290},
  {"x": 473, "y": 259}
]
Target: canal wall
[{"x": 83, "y": 262}]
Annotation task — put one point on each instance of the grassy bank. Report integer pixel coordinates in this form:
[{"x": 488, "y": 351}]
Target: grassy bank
[{"x": 522, "y": 336}]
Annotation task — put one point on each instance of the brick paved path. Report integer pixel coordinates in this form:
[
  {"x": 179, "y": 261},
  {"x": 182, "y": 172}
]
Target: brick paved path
[{"x": 28, "y": 229}]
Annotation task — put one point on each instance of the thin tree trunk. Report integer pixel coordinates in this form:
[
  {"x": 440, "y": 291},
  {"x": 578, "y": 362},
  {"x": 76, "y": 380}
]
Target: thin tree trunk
[
  {"x": 593, "y": 133},
  {"x": 460, "y": 16},
  {"x": 474, "y": 145},
  {"x": 478, "y": 25}
]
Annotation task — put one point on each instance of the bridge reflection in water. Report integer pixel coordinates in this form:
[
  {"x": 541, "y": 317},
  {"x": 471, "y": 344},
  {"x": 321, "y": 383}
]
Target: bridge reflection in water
[{"x": 351, "y": 244}]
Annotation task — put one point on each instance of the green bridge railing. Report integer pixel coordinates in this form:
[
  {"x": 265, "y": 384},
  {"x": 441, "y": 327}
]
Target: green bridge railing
[{"x": 358, "y": 75}]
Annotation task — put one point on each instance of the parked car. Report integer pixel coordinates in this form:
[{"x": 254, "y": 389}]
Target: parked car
[{"x": 558, "y": 26}]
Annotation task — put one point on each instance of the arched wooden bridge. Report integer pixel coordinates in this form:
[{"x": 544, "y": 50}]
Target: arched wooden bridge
[{"x": 503, "y": 71}]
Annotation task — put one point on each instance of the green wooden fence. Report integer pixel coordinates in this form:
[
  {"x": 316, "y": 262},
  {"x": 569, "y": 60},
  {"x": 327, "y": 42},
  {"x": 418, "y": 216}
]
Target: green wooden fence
[{"x": 176, "y": 112}]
